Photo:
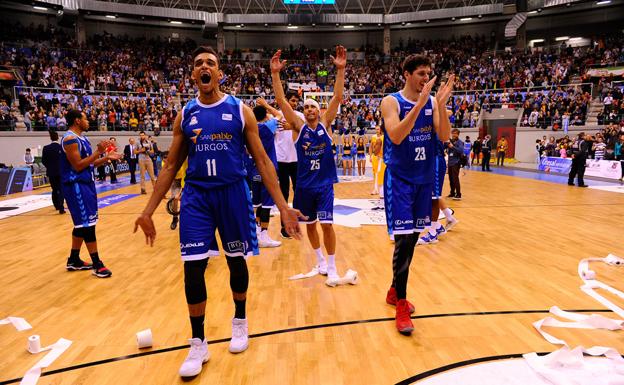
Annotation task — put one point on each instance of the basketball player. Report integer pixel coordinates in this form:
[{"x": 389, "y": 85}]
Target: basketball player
[
  {"x": 316, "y": 171},
  {"x": 262, "y": 201},
  {"x": 212, "y": 131},
  {"x": 413, "y": 125},
  {"x": 79, "y": 190}
]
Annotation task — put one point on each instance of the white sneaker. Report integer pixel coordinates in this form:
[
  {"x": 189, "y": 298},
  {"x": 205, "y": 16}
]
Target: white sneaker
[
  {"x": 332, "y": 279},
  {"x": 322, "y": 268},
  {"x": 451, "y": 224},
  {"x": 197, "y": 356},
  {"x": 240, "y": 339},
  {"x": 265, "y": 241}
]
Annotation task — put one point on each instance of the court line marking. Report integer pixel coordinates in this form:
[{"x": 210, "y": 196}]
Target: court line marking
[
  {"x": 455, "y": 365},
  {"x": 296, "y": 329}
]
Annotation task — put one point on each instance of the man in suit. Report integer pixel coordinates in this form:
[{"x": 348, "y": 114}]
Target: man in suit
[
  {"x": 580, "y": 150},
  {"x": 51, "y": 159},
  {"x": 131, "y": 157},
  {"x": 486, "y": 150}
]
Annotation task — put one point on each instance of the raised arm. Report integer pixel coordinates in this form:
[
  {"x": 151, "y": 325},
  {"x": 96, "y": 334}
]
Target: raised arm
[
  {"x": 273, "y": 111},
  {"x": 442, "y": 124},
  {"x": 177, "y": 154},
  {"x": 70, "y": 146},
  {"x": 340, "y": 61},
  {"x": 276, "y": 66},
  {"x": 396, "y": 128},
  {"x": 269, "y": 176}
]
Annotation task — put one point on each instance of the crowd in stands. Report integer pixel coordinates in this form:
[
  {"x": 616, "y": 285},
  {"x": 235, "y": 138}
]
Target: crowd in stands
[
  {"x": 613, "y": 101},
  {"x": 606, "y": 144},
  {"x": 139, "y": 83}
]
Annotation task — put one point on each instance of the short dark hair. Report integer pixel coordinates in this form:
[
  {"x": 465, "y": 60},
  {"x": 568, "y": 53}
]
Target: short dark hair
[
  {"x": 414, "y": 61},
  {"x": 53, "y": 135},
  {"x": 260, "y": 112},
  {"x": 28, "y": 150},
  {"x": 72, "y": 116},
  {"x": 291, "y": 93},
  {"x": 141, "y": 132},
  {"x": 455, "y": 130},
  {"x": 206, "y": 49}
]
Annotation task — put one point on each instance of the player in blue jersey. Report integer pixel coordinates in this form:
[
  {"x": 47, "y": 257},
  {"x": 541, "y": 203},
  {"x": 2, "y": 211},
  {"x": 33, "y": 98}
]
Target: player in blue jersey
[
  {"x": 413, "y": 126},
  {"x": 212, "y": 131},
  {"x": 316, "y": 170},
  {"x": 267, "y": 127},
  {"x": 79, "y": 190}
]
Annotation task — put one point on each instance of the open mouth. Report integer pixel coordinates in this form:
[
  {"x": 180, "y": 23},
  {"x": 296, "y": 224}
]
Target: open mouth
[{"x": 205, "y": 78}]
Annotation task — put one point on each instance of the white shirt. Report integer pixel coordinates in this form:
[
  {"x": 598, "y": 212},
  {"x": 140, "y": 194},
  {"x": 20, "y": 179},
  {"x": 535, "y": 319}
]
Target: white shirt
[{"x": 285, "y": 145}]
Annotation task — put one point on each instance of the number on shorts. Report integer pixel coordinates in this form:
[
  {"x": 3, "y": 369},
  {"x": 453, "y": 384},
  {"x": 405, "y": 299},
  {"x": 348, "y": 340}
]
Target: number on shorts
[
  {"x": 212, "y": 167},
  {"x": 420, "y": 153},
  {"x": 315, "y": 164}
]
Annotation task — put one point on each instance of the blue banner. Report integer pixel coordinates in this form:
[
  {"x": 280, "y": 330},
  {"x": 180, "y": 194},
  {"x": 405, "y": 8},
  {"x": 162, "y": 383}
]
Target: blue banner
[
  {"x": 114, "y": 198},
  {"x": 553, "y": 164}
]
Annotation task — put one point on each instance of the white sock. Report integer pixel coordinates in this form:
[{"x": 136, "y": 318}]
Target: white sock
[
  {"x": 331, "y": 265},
  {"x": 448, "y": 214},
  {"x": 320, "y": 258},
  {"x": 381, "y": 192}
]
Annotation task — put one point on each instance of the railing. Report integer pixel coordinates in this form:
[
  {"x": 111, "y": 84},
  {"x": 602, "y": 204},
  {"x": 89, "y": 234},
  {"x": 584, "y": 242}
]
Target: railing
[{"x": 175, "y": 100}]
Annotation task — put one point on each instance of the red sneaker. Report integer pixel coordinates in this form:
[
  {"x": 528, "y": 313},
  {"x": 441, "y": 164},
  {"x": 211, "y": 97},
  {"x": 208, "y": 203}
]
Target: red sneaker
[
  {"x": 403, "y": 322},
  {"x": 391, "y": 299}
]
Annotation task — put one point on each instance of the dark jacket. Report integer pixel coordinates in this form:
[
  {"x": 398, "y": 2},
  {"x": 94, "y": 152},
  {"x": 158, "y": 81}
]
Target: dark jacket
[
  {"x": 486, "y": 145},
  {"x": 51, "y": 159},
  {"x": 455, "y": 151},
  {"x": 476, "y": 146},
  {"x": 127, "y": 153}
]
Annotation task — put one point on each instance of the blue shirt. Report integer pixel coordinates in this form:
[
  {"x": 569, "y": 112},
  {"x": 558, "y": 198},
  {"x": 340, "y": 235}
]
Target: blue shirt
[
  {"x": 316, "y": 167},
  {"x": 267, "y": 130},
  {"x": 413, "y": 159},
  {"x": 216, "y": 142},
  {"x": 68, "y": 174}
]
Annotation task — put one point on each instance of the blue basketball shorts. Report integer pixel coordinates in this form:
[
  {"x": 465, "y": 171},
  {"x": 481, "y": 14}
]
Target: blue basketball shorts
[
  {"x": 260, "y": 195},
  {"x": 81, "y": 199},
  {"x": 408, "y": 205},
  {"x": 439, "y": 175},
  {"x": 227, "y": 209},
  {"x": 315, "y": 203}
]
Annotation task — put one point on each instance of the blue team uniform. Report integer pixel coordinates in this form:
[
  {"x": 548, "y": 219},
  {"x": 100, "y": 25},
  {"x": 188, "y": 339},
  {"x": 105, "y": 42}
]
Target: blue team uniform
[
  {"x": 316, "y": 175},
  {"x": 440, "y": 171},
  {"x": 78, "y": 186},
  {"x": 410, "y": 172},
  {"x": 261, "y": 196},
  {"x": 215, "y": 192}
]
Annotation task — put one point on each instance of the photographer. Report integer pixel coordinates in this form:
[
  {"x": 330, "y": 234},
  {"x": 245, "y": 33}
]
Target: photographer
[{"x": 145, "y": 150}]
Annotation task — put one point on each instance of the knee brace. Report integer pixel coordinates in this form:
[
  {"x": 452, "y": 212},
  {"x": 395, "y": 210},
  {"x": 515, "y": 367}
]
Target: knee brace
[
  {"x": 88, "y": 234},
  {"x": 77, "y": 232},
  {"x": 239, "y": 275},
  {"x": 194, "y": 281}
]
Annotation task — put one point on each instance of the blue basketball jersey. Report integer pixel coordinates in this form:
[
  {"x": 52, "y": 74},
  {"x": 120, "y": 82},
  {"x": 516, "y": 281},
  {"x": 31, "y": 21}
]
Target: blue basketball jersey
[
  {"x": 467, "y": 147},
  {"x": 216, "y": 142},
  {"x": 413, "y": 159},
  {"x": 440, "y": 148},
  {"x": 315, "y": 166},
  {"x": 267, "y": 137},
  {"x": 68, "y": 174}
]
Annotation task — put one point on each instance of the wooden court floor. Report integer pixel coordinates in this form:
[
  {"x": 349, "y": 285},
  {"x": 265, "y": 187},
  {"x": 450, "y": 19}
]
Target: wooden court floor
[{"x": 515, "y": 250}]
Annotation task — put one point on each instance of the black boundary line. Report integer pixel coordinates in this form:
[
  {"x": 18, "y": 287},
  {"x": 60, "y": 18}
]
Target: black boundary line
[
  {"x": 455, "y": 365},
  {"x": 301, "y": 328}
]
